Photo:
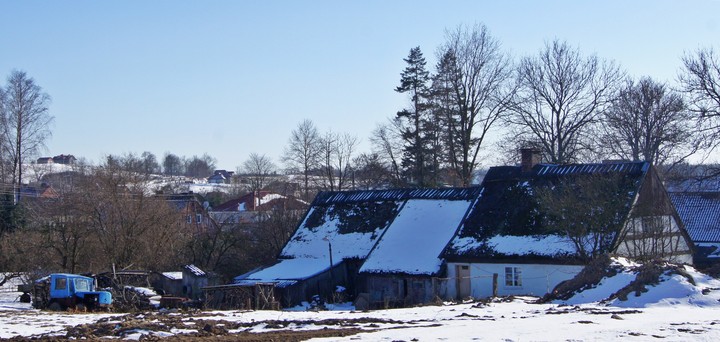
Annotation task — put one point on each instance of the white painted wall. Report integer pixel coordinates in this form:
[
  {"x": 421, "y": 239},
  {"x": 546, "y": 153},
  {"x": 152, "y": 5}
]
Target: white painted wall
[
  {"x": 672, "y": 244},
  {"x": 537, "y": 279}
]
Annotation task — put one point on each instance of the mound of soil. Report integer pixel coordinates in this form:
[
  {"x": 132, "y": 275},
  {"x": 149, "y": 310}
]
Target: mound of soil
[
  {"x": 588, "y": 278},
  {"x": 648, "y": 274}
]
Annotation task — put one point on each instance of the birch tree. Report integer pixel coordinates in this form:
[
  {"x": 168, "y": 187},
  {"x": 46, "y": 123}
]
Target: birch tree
[{"x": 24, "y": 122}]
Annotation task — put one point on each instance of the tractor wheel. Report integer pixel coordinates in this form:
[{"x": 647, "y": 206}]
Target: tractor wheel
[
  {"x": 80, "y": 307},
  {"x": 55, "y": 306}
]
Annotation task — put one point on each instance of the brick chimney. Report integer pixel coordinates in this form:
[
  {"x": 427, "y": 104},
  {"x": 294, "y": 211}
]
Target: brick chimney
[{"x": 529, "y": 158}]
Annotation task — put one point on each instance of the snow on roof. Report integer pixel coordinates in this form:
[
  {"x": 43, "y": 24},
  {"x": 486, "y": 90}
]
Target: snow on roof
[
  {"x": 509, "y": 221},
  {"x": 269, "y": 197},
  {"x": 173, "y": 275},
  {"x": 700, "y": 213},
  {"x": 195, "y": 270},
  {"x": 349, "y": 233},
  {"x": 541, "y": 245},
  {"x": 413, "y": 242},
  {"x": 288, "y": 269}
]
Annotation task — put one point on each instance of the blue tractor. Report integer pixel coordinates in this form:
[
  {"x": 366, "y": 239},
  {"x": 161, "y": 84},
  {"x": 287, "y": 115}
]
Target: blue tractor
[{"x": 62, "y": 291}]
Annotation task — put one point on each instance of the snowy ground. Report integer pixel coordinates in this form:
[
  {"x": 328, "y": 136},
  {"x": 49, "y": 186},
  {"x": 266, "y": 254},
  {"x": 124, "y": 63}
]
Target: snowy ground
[{"x": 674, "y": 310}]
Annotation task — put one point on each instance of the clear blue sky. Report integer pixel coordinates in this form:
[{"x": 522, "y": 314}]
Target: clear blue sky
[{"x": 234, "y": 77}]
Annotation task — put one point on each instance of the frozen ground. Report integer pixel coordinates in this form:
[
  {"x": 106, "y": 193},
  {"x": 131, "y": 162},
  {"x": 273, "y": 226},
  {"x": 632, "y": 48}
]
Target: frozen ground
[{"x": 674, "y": 310}]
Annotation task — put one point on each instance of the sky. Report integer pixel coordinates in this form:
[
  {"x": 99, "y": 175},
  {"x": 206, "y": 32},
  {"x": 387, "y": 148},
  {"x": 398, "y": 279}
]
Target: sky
[{"x": 231, "y": 78}]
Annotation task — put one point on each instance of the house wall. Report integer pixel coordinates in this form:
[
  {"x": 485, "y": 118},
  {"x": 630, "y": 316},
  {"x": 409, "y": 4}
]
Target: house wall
[
  {"x": 171, "y": 287},
  {"x": 386, "y": 291},
  {"x": 652, "y": 237},
  {"x": 536, "y": 279},
  {"x": 322, "y": 284}
]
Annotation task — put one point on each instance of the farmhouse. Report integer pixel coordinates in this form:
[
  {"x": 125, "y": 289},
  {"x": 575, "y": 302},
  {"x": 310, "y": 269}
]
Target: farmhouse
[
  {"x": 522, "y": 231},
  {"x": 535, "y": 226}
]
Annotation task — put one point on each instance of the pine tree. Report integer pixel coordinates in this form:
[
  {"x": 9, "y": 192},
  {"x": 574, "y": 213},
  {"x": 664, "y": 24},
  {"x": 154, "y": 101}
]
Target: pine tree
[{"x": 414, "y": 82}]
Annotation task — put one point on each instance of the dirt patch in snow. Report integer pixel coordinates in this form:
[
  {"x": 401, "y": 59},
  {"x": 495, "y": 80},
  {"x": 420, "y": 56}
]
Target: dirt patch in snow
[{"x": 156, "y": 326}]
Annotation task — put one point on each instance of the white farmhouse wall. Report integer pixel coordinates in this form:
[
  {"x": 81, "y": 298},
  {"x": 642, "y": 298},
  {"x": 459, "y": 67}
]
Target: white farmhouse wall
[
  {"x": 666, "y": 240},
  {"x": 537, "y": 279}
]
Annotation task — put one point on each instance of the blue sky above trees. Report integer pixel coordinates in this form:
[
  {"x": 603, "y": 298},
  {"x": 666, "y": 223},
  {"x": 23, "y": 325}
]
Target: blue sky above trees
[{"x": 230, "y": 78}]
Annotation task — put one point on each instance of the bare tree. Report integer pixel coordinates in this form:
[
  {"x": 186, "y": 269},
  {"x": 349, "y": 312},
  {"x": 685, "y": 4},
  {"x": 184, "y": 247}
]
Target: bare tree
[
  {"x": 648, "y": 122},
  {"x": 131, "y": 228},
  {"x": 59, "y": 229},
  {"x": 25, "y": 121},
  {"x": 471, "y": 90},
  {"x": 700, "y": 79},
  {"x": 370, "y": 172},
  {"x": 560, "y": 97},
  {"x": 258, "y": 168},
  {"x": 337, "y": 153},
  {"x": 302, "y": 153},
  {"x": 387, "y": 144}
]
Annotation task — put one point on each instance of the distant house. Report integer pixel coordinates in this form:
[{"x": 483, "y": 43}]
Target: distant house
[
  {"x": 504, "y": 247},
  {"x": 44, "y": 160},
  {"x": 66, "y": 159},
  {"x": 700, "y": 213},
  {"x": 252, "y": 207},
  {"x": 43, "y": 191},
  {"x": 193, "y": 210},
  {"x": 220, "y": 177}
]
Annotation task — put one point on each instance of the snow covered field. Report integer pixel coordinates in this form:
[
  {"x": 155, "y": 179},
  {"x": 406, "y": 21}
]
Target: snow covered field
[{"x": 673, "y": 310}]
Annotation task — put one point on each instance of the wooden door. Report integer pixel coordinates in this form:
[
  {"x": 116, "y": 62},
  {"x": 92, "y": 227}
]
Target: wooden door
[{"x": 463, "y": 281}]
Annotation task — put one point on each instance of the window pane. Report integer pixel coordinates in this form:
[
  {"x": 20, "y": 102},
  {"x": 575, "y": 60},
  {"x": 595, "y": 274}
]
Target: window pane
[{"x": 60, "y": 283}]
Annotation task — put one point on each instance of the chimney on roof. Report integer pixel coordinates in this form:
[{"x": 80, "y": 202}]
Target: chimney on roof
[{"x": 529, "y": 158}]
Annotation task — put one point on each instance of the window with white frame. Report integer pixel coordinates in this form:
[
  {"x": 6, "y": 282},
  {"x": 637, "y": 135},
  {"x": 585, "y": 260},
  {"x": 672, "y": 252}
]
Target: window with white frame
[
  {"x": 198, "y": 218},
  {"x": 513, "y": 276}
]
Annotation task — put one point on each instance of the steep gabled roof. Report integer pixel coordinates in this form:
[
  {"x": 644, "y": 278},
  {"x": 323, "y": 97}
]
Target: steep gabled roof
[
  {"x": 416, "y": 238},
  {"x": 700, "y": 213},
  {"x": 352, "y": 224},
  {"x": 507, "y": 221}
]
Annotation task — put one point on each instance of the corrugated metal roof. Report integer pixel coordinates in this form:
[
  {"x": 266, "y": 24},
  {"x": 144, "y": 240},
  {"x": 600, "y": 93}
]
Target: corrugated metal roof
[
  {"x": 277, "y": 283},
  {"x": 700, "y": 213},
  {"x": 570, "y": 169},
  {"x": 195, "y": 270},
  {"x": 332, "y": 197}
]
